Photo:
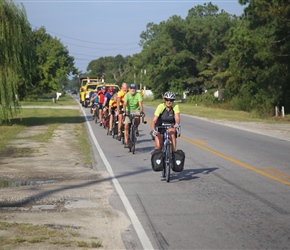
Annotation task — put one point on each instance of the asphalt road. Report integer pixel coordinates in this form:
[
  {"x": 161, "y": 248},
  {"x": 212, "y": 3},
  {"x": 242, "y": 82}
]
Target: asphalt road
[{"x": 233, "y": 193}]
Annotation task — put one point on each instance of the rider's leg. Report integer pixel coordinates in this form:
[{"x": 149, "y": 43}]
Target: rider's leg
[
  {"x": 120, "y": 121},
  {"x": 158, "y": 141},
  {"x": 126, "y": 130},
  {"x": 126, "y": 134},
  {"x": 101, "y": 116},
  {"x": 173, "y": 138},
  {"x": 137, "y": 123},
  {"x": 111, "y": 122}
]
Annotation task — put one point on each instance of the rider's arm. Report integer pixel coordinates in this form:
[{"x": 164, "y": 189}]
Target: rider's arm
[
  {"x": 118, "y": 101},
  {"x": 124, "y": 105},
  {"x": 177, "y": 119},
  {"x": 177, "y": 115},
  {"x": 153, "y": 123},
  {"x": 93, "y": 97},
  {"x": 141, "y": 106}
]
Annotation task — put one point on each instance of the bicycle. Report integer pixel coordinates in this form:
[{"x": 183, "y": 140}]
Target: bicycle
[
  {"x": 167, "y": 150},
  {"x": 115, "y": 125},
  {"x": 132, "y": 138},
  {"x": 95, "y": 110}
]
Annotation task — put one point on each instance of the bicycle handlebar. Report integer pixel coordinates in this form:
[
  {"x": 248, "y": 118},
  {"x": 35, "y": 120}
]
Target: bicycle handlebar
[{"x": 166, "y": 126}]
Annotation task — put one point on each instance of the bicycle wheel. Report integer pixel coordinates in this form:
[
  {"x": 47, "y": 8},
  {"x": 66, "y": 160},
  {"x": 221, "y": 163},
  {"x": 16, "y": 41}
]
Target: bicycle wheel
[
  {"x": 96, "y": 114},
  {"x": 130, "y": 138},
  {"x": 133, "y": 139},
  {"x": 164, "y": 168},
  {"x": 168, "y": 161}
]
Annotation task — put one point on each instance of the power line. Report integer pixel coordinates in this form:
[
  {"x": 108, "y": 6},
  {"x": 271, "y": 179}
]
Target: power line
[{"x": 114, "y": 44}]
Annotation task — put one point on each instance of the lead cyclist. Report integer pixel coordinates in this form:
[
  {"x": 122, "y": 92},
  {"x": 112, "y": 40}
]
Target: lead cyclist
[{"x": 168, "y": 113}]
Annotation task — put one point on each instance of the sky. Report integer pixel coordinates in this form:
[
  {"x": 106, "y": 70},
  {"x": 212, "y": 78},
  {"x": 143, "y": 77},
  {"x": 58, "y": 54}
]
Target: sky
[{"x": 94, "y": 28}]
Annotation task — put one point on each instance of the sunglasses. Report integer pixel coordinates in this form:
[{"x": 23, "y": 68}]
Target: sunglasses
[{"x": 169, "y": 100}]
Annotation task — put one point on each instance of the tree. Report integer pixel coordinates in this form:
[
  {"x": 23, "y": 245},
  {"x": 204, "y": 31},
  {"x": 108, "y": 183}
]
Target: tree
[
  {"x": 53, "y": 64},
  {"x": 115, "y": 68},
  {"x": 187, "y": 54},
  {"x": 17, "y": 56},
  {"x": 260, "y": 56}
]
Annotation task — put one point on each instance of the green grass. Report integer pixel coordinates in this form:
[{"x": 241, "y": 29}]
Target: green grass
[
  {"x": 51, "y": 118},
  {"x": 218, "y": 113},
  {"x": 28, "y": 235},
  {"x": 47, "y": 101}
]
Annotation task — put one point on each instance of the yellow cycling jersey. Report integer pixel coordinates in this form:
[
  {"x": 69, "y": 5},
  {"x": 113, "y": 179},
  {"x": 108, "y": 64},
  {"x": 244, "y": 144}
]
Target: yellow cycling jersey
[
  {"x": 113, "y": 103},
  {"x": 121, "y": 94},
  {"x": 161, "y": 107}
]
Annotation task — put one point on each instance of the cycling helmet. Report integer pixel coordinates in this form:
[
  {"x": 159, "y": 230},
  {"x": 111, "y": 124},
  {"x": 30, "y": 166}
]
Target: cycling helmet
[
  {"x": 111, "y": 89},
  {"x": 169, "y": 95}
]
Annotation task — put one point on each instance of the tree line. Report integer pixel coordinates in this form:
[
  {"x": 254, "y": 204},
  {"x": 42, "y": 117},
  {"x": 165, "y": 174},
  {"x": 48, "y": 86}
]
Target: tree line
[
  {"x": 245, "y": 58},
  {"x": 31, "y": 61}
]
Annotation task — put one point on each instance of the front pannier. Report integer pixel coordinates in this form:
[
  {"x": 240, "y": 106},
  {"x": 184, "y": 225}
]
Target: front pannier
[
  {"x": 178, "y": 160},
  {"x": 157, "y": 160}
]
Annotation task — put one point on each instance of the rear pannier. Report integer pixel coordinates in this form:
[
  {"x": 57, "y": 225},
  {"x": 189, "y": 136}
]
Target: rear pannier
[
  {"x": 157, "y": 160},
  {"x": 178, "y": 160}
]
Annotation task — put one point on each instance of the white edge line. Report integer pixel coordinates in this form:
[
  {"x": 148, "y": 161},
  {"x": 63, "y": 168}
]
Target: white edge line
[{"x": 144, "y": 239}]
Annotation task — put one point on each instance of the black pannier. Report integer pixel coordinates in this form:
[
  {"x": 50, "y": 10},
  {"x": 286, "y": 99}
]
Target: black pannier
[
  {"x": 178, "y": 160},
  {"x": 157, "y": 160},
  {"x": 115, "y": 128}
]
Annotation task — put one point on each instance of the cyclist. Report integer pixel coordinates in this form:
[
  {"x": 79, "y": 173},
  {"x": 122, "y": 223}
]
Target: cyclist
[
  {"x": 132, "y": 103},
  {"x": 120, "y": 96},
  {"x": 167, "y": 112},
  {"x": 94, "y": 100},
  {"x": 108, "y": 96},
  {"x": 112, "y": 109},
  {"x": 101, "y": 95}
]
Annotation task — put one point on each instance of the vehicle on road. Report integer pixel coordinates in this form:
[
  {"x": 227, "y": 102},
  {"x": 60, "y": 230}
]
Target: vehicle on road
[
  {"x": 87, "y": 86},
  {"x": 115, "y": 86}
]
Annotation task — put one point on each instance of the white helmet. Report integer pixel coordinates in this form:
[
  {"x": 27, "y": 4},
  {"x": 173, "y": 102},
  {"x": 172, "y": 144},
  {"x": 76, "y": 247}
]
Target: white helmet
[{"x": 169, "y": 95}]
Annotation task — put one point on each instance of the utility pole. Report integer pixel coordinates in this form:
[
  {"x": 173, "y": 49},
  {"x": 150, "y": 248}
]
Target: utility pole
[
  {"x": 143, "y": 71},
  {"x": 134, "y": 76}
]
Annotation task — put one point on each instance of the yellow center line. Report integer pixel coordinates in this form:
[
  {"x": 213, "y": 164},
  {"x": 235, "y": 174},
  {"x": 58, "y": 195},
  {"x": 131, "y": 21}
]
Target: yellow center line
[
  {"x": 277, "y": 173},
  {"x": 199, "y": 141},
  {"x": 236, "y": 161}
]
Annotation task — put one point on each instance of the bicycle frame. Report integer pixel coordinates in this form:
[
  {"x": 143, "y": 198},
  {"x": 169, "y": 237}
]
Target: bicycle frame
[
  {"x": 114, "y": 124},
  {"x": 167, "y": 150},
  {"x": 132, "y": 133},
  {"x": 95, "y": 110}
]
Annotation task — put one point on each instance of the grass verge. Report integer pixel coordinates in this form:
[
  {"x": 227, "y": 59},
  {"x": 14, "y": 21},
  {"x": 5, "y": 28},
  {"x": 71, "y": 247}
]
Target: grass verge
[
  {"x": 25, "y": 234},
  {"x": 51, "y": 118},
  {"x": 47, "y": 101},
  {"x": 218, "y": 113}
]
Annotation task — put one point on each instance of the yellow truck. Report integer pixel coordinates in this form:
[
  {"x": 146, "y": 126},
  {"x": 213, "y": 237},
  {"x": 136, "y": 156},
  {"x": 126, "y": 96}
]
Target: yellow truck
[
  {"x": 87, "y": 85},
  {"x": 115, "y": 86}
]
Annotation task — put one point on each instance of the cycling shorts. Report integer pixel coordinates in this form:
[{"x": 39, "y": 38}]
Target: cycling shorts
[
  {"x": 162, "y": 131},
  {"x": 113, "y": 110},
  {"x": 127, "y": 118}
]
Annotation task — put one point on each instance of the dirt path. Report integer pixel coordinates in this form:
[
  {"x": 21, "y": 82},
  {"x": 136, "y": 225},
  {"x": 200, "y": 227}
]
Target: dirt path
[{"x": 69, "y": 196}]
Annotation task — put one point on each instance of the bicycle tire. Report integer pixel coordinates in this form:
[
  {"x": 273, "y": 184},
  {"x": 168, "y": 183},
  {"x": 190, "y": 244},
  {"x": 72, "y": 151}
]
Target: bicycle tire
[
  {"x": 133, "y": 139},
  {"x": 97, "y": 114},
  {"x": 168, "y": 161},
  {"x": 164, "y": 169},
  {"x": 95, "y": 117}
]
